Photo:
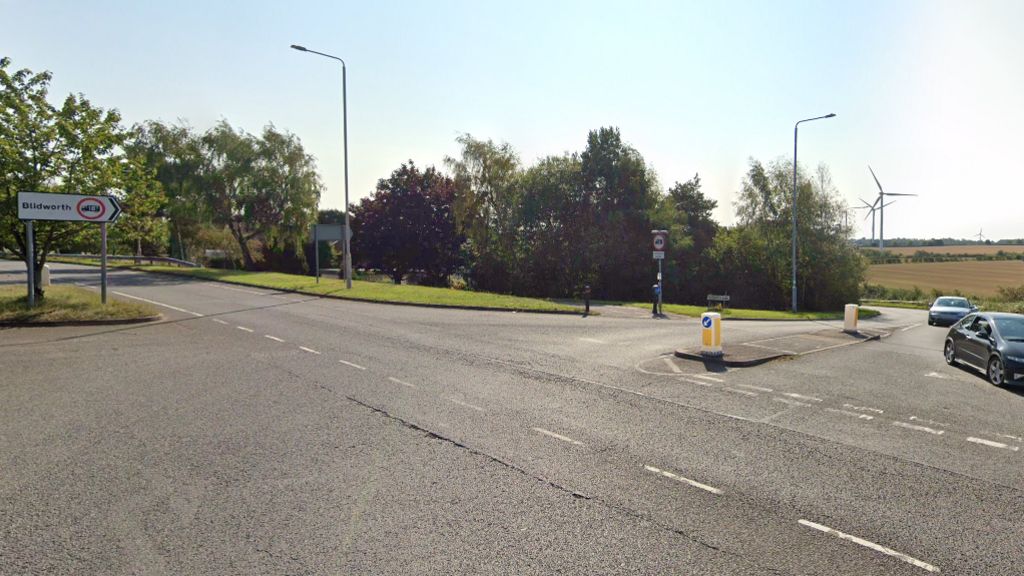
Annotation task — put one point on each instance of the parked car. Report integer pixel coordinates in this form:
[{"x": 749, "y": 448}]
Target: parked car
[
  {"x": 948, "y": 310},
  {"x": 989, "y": 341}
]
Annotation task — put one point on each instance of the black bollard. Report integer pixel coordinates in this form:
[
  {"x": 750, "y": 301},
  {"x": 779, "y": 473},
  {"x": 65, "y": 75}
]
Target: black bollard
[{"x": 586, "y": 300}]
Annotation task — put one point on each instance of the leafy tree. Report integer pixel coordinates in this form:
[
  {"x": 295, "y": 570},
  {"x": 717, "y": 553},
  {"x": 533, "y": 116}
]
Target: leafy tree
[
  {"x": 142, "y": 201},
  {"x": 70, "y": 149},
  {"x": 487, "y": 179},
  {"x": 409, "y": 224},
  {"x": 259, "y": 188}
]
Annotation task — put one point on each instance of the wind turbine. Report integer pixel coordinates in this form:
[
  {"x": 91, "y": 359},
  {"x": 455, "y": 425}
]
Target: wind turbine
[
  {"x": 981, "y": 237},
  {"x": 872, "y": 209},
  {"x": 881, "y": 209}
]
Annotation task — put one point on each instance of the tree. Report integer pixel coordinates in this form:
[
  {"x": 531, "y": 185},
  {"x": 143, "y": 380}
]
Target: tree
[
  {"x": 73, "y": 149},
  {"x": 409, "y": 224},
  {"x": 260, "y": 188},
  {"x": 488, "y": 194},
  {"x": 142, "y": 201}
]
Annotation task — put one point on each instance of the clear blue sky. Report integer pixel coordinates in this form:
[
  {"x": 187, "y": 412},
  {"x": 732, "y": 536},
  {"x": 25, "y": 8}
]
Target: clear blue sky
[{"x": 928, "y": 93}]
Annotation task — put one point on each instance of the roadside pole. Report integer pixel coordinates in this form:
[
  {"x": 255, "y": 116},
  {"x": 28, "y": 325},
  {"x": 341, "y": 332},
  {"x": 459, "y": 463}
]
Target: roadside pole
[
  {"x": 659, "y": 242},
  {"x": 316, "y": 250},
  {"x": 31, "y": 263},
  {"x": 103, "y": 262},
  {"x": 661, "y": 289}
]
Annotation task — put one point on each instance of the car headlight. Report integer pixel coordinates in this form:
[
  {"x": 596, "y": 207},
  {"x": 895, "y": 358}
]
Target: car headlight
[{"x": 1018, "y": 359}]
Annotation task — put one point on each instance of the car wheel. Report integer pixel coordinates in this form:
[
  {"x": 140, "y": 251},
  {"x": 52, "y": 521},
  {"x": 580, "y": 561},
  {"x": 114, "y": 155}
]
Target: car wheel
[
  {"x": 931, "y": 322},
  {"x": 950, "y": 353},
  {"x": 996, "y": 375}
]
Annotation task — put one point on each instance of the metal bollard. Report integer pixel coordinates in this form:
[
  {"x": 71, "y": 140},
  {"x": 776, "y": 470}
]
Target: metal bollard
[
  {"x": 850, "y": 318},
  {"x": 711, "y": 334},
  {"x": 586, "y": 300}
]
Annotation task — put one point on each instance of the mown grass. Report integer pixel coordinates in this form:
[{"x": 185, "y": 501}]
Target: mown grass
[
  {"x": 66, "y": 304},
  {"x": 908, "y": 304},
  {"x": 749, "y": 314},
  {"x": 369, "y": 291}
]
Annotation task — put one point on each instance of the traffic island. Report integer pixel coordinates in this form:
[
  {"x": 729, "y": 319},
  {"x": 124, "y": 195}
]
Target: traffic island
[
  {"x": 761, "y": 351},
  {"x": 69, "y": 306}
]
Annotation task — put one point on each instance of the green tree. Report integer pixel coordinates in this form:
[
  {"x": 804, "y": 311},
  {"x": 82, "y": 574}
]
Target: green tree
[
  {"x": 142, "y": 201},
  {"x": 263, "y": 188},
  {"x": 70, "y": 149}
]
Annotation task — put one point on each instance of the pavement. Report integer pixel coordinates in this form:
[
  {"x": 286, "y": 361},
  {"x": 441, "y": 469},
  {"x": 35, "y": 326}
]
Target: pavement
[{"x": 257, "y": 432}]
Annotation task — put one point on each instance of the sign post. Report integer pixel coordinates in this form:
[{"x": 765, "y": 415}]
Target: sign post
[
  {"x": 66, "y": 208},
  {"x": 327, "y": 233},
  {"x": 659, "y": 241}
]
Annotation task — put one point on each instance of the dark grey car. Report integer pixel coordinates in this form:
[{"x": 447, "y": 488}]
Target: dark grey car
[
  {"x": 989, "y": 341},
  {"x": 948, "y": 310}
]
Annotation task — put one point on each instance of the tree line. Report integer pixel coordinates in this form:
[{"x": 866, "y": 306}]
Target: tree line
[{"x": 484, "y": 220}]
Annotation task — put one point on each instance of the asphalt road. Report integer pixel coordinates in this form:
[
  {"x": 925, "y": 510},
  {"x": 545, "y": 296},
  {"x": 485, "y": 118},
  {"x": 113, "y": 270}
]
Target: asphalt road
[{"x": 255, "y": 432}]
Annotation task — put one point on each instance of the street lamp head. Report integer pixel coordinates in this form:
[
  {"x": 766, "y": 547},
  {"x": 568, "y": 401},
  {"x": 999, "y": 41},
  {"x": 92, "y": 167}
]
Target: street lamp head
[{"x": 299, "y": 48}]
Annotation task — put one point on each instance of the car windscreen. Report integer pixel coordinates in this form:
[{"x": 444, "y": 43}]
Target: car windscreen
[
  {"x": 952, "y": 302},
  {"x": 1011, "y": 328}
]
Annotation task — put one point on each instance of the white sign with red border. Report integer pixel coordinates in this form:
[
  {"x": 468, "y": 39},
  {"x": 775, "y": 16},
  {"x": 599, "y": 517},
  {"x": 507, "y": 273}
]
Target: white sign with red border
[
  {"x": 659, "y": 242},
  {"x": 67, "y": 207}
]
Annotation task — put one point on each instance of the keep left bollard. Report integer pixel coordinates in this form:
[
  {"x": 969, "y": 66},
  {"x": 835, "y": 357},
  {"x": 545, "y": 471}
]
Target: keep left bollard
[
  {"x": 711, "y": 334},
  {"x": 850, "y": 318}
]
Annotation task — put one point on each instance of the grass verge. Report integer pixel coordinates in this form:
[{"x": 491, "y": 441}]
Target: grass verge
[
  {"x": 747, "y": 314},
  {"x": 66, "y": 304},
  {"x": 908, "y": 304},
  {"x": 369, "y": 291}
]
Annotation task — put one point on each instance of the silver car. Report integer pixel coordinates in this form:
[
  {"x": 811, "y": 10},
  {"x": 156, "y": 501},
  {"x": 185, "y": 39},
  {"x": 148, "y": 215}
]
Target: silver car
[{"x": 948, "y": 310}]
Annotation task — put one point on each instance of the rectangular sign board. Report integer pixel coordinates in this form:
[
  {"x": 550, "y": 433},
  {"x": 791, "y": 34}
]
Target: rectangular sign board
[
  {"x": 330, "y": 232},
  {"x": 659, "y": 254},
  {"x": 67, "y": 207}
]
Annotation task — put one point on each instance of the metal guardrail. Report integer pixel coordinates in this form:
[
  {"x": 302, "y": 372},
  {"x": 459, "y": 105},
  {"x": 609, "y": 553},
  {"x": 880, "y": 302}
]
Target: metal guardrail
[{"x": 150, "y": 259}]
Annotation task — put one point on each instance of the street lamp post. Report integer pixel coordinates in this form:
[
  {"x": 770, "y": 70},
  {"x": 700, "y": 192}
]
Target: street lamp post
[
  {"x": 344, "y": 131},
  {"x": 796, "y": 128}
]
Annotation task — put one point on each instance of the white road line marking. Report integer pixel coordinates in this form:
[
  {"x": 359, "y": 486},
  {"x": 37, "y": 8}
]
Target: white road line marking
[
  {"x": 593, "y": 340},
  {"x": 219, "y": 321},
  {"x": 196, "y": 314},
  {"x": 752, "y": 387},
  {"x": 310, "y": 350},
  {"x": 403, "y": 383},
  {"x": 243, "y": 328},
  {"x": 274, "y": 338},
  {"x": 712, "y": 378},
  {"x": 1017, "y": 438},
  {"x": 920, "y": 428},
  {"x": 679, "y": 478},
  {"x": 557, "y": 436},
  {"x": 911, "y": 327},
  {"x": 736, "y": 391},
  {"x": 356, "y": 366},
  {"x": 871, "y": 545},
  {"x": 470, "y": 406},
  {"x": 698, "y": 382},
  {"x": 984, "y": 442},
  {"x": 937, "y": 375},
  {"x": 801, "y": 396},
  {"x": 864, "y": 408},
  {"x": 672, "y": 366},
  {"x": 848, "y": 413},
  {"x": 773, "y": 349},
  {"x": 924, "y": 421},
  {"x": 791, "y": 402}
]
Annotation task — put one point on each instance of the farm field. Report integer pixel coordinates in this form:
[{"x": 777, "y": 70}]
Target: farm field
[
  {"x": 980, "y": 278},
  {"x": 970, "y": 249}
]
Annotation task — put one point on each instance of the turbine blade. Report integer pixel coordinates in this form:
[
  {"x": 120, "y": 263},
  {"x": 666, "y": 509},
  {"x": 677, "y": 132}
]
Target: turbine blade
[
  {"x": 897, "y": 194},
  {"x": 877, "y": 183}
]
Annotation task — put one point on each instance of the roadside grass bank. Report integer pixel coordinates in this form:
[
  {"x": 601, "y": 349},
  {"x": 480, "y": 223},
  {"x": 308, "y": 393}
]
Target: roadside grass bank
[
  {"x": 370, "y": 291},
  {"x": 908, "y": 304},
  {"x": 1005, "y": 299},
  {"x": 67, "y": 304},
  {"x": 747, "y": 314}
]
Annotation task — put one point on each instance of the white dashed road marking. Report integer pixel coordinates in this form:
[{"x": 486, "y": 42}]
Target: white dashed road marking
[
  {"x": 851, "y": 414},
  {"x": 984, "y": 442},
  {"x": 403, "y": 383},
  {"x": 698, "y": 382},
  {"x": 196, "y": 314},
  {"x": 356, "y": 366},
  {"x": 930, "y": 422},
  {"x": 864, "y": 408},
  {"x": 1017, "y": 438},
  {"x": 871, "y": 545},
  {"x": 593, "y": 340},
  {"x": 937, "y": 375},
  {"x": 244, "y": 329},
  {"x": 557, "y": 436},
  {"x": 219, "y": 321},
  {"x": 752, "y": 387},
  {"x": 707, "y": 377},
  {"x": 919, "y": 428},
  {"x": 464, "y": 404},
  {"x": 738, "y": 391},
  {"x": 801, "y": 396},
  {"x": 310, "y": 350},
  {"x": 274, "y": 338},
  {"x": 791, "y": 402},
  {"x": 679, "y": 478}
]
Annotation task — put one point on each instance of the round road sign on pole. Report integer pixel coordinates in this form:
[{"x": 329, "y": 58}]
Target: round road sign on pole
[{"x": 660, "y": 239}]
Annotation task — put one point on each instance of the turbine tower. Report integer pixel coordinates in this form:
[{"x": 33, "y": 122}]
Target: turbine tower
[{"x": 881, "y": 209}]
